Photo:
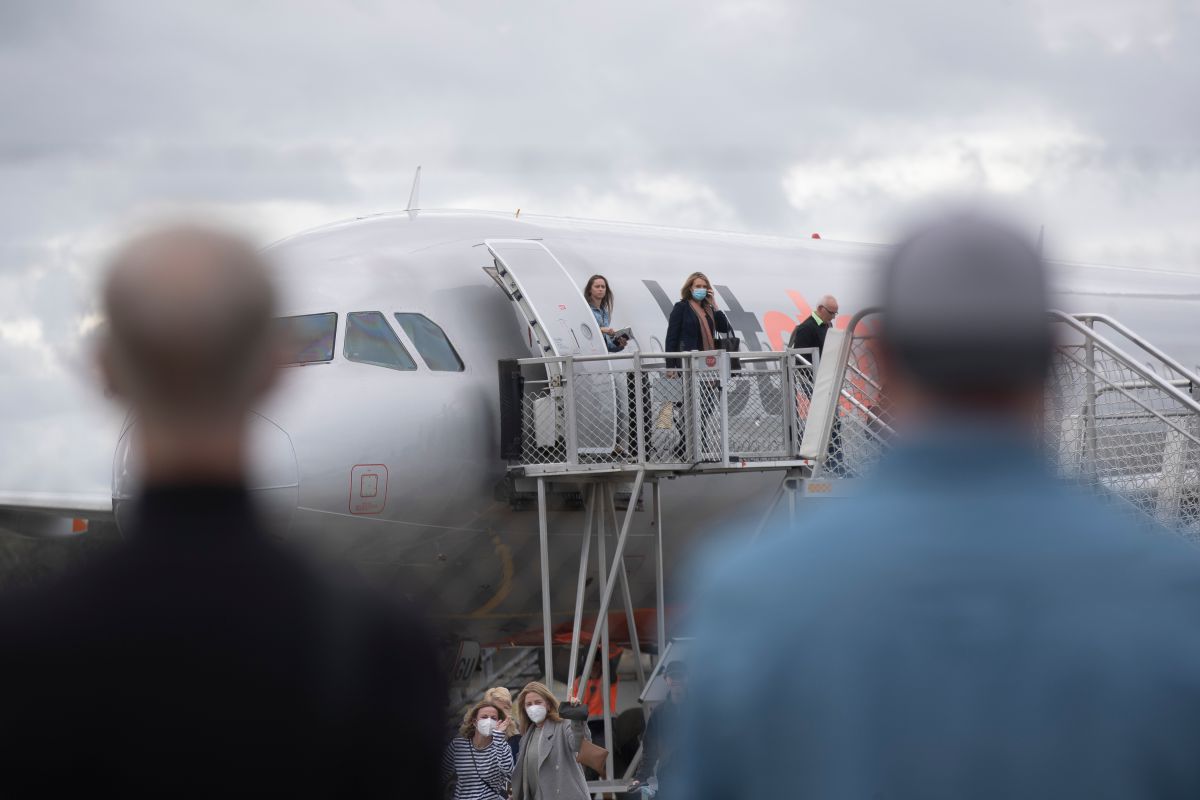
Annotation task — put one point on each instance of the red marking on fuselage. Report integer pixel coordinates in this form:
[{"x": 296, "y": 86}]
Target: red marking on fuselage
[
  {"x": 802, "y": 307},
  {"x": 778, "y": 326}
]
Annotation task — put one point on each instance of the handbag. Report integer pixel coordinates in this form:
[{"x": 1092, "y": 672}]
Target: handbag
[
  {"x": 731, "y": 344},
  {"x": 665, "y": 421},
  {"x": 594, "y": 757}
]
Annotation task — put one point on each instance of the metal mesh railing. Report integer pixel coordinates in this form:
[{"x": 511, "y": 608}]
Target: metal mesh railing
[
  {"x": 863, "y": 422},
  {"x": 1110, "y": 421},
  {"x": 1114, "y": 423},
  {"x": 662, "y": 409},
  {"x": 542, "y": 424},
  {"x": 758, "y": 423}
]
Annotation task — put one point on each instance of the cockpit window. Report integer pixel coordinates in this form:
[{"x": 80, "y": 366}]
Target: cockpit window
[
  {"x": 307, "y": 339},
  {"x": 431, "y": 342},
  {"x": 370, "y": 340}
]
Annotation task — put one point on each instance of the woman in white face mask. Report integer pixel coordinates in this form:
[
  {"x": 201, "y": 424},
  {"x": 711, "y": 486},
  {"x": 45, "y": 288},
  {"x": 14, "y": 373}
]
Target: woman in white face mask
[
  {"x": 552, "y": 736},
  {"x": 501, "y": 698},
  {"x": 479, "y": 760}
]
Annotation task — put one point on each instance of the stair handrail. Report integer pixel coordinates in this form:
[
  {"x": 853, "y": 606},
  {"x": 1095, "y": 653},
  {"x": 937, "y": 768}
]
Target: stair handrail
[
  {"x": 851, "y": 331},
  {"x": 1129, "y": 361},
  {"x": 1140, "y": 341}
]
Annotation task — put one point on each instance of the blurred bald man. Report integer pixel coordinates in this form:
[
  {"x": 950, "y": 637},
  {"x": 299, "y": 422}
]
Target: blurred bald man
[
  {"x": 202, "y": 658},
  {"x": 967, "y": 626}
]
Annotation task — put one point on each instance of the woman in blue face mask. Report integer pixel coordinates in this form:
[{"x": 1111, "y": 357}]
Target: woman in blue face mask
[
  {"x": 694, "y": 323},
  {"x": 695, "y": 319}
]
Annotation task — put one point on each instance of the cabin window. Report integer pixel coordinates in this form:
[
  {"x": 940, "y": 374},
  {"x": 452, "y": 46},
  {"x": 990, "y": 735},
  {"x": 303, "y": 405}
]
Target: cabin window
[
  {"x": 370, "y": 340},
  {"x": 431, "y": 342},
  {"x": 307, "y": 339}
]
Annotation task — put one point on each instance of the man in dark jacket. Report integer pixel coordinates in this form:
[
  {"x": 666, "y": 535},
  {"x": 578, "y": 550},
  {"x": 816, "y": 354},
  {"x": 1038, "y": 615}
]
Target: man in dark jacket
[
  {"x": 662, "y": 738},
  {"x": 970, "y": 626},
  {"x": 811, "y": 332},
  {"x": 203, "y": 658}
]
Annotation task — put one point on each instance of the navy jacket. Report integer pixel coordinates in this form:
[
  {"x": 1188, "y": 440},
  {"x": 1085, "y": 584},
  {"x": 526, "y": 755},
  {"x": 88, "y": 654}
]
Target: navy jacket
[
  {"x": 969, "y": 626},
  {"x": 660, "y": 744},
  {"x": 809, "y": 334},
  {"x": 683, "y": 329}
]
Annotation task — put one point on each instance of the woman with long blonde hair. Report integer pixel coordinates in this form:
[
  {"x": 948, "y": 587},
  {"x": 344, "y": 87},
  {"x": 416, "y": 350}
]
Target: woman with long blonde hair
[
  {"x": 479, "y": 760},
  {"x": 552, "y": 735},
  {"x": 694, "y": 324},
  {"x": 501, "y": 698},
  {"x": 695, "y": 320}
]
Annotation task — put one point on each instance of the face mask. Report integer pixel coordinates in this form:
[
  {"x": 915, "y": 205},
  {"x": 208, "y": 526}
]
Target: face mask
[
  {"x": 699, "y": 294},
  {"x": 536, "y": 713},
  {"x": 485, "y": 726}
]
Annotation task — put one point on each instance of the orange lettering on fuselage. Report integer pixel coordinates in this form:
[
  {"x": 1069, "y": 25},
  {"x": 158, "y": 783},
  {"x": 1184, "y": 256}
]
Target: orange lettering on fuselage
[
  {"x": 778, "y": 325},
  {"x": 801, "y": 304}
]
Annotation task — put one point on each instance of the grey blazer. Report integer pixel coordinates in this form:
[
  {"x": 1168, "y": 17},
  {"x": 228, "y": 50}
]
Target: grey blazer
[{"x": 559, "y": 776}]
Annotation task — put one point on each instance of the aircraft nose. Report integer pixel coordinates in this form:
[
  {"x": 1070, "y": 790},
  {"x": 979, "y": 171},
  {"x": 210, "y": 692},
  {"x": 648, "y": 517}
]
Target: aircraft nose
[{"x": 274, "y": 476}]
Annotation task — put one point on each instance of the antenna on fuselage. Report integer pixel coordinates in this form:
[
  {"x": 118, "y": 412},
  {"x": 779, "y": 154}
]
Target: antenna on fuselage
[{"x": 414, "y": 197}]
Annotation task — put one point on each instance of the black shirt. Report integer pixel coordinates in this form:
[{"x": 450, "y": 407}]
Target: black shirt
[
  {"x": 809, "y": 334},
  {"x": 660, "y": 743},
  {"x": 203, "y": 658}
]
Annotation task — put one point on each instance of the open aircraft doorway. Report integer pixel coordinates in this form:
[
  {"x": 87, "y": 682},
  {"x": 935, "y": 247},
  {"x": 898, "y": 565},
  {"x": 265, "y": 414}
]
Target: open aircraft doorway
[{"x": 560, "y": 324}]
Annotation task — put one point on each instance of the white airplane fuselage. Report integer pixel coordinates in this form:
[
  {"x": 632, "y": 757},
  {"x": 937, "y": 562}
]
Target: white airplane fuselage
[{"x": 441, "y": 529}]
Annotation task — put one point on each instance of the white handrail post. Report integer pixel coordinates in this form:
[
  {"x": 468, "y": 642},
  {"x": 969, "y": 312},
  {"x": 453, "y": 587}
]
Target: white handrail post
[
  {"x": 639, "y": 407},
  {"x": 581, "y": 584},
  {"x": 571, "y": 432},
  {"x": 607, "y": 493},
  {"x": 789, "y": 408},
  {"x": 630, "y": 618},
  {"x": 1089, "y": 413},
  {"x": 697, "y": 409},
  {"x": 723, "y": 402},
  {"x": 544, "y": 540},
  {"x": 660, "y": 599}
]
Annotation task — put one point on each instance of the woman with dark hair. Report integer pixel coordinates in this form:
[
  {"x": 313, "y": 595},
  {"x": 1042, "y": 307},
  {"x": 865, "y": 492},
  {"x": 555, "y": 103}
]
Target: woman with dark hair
[
  {"x": 600, "y": 299},
  {"x": 479, "y": 760}
]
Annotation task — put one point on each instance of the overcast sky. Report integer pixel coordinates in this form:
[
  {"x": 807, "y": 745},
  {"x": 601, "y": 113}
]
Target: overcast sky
[{"x": 775, "y": 117}]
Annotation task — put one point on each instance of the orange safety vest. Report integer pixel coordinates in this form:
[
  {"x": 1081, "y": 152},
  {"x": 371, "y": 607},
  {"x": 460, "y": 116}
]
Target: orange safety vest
[{"x": 593, "y": 694}]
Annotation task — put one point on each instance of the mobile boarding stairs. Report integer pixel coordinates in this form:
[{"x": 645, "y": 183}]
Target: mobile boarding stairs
[{"x": 1120, "y": 416}]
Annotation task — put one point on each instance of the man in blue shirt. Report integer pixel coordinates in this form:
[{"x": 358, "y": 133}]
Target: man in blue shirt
[{"x": 969, "y": 627}]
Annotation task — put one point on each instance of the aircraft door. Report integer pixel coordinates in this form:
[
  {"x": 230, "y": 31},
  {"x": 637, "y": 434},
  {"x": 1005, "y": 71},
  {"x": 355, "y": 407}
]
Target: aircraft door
[{"x": 560, "y": 323}]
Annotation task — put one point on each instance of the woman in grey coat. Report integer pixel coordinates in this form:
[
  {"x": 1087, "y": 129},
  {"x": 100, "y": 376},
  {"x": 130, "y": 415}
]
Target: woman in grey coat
[{"x": 546, "y": 767}]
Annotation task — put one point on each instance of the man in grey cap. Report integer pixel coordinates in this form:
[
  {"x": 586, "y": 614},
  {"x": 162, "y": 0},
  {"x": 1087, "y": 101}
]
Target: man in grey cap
[{"x": 970, "y": 626}]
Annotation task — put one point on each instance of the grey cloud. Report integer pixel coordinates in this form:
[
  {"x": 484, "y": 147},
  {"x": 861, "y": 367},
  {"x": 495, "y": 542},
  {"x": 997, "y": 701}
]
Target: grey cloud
[{"x": 572, "y": 108}]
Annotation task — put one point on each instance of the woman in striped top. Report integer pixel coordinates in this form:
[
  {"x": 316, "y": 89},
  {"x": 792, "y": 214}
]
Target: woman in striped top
[{"x": 479, "y": 760}]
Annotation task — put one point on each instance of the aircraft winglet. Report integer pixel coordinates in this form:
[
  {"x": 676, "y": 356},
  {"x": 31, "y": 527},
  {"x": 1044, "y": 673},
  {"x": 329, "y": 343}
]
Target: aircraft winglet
[{"x": 414, "y": 197}]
